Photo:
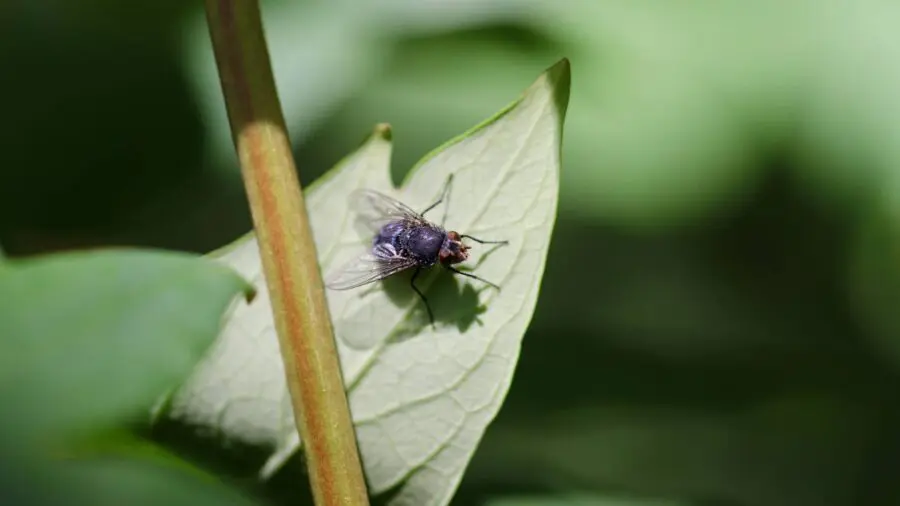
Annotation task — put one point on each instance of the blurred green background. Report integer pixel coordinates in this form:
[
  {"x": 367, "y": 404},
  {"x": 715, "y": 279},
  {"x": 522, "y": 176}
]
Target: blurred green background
[{"x": 718, "y": 319}]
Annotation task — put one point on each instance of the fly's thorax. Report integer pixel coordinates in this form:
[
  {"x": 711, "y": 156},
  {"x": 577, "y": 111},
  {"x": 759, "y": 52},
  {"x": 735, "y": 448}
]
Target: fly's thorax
[
  {"x": 453, "y": 251},
  {"x": 423, "y": 243}
]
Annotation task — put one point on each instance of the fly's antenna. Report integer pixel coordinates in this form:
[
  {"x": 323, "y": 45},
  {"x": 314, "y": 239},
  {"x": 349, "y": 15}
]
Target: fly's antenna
[{"x": 447, "y": 196}]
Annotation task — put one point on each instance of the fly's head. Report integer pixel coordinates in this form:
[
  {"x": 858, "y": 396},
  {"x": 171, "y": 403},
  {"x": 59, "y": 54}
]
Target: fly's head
[{"x": 453, "y": 251}]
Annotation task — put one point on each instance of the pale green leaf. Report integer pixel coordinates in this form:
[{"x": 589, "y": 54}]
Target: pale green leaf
[{"x": 421, "y": 398}]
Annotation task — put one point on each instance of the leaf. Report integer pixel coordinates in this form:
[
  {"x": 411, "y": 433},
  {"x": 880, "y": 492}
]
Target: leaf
[
  {"x": 114, "y": 481},
  {"x": 90, "y": 338},
  {"x": 110, "y": 480},
  {"x": 794, "y": 448},
  {"x": 421, "y": 398},
  {"x": 583, "y": 500}
]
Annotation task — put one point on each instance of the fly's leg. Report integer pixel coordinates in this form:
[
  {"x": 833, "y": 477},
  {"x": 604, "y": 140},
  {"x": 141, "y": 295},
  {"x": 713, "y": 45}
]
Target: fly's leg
[
  {"x": 412, "y": 283},
  {"x": 468, "y": 275},
  {"x": 445, "y": 195},
  {"x": 480, "y": 241}
]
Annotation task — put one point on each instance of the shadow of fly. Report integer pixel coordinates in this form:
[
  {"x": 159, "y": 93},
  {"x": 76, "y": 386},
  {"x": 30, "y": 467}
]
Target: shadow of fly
[{"x": 404, "y": 239}]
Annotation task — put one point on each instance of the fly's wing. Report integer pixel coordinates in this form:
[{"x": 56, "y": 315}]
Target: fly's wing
[
  {"x": 382, "y": 262},
  {"x": 375, "y": 210}
]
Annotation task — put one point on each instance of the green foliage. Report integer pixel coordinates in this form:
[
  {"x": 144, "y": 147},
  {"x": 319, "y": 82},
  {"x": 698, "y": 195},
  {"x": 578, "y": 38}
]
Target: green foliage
[
  {"x": 718, "y": 315},
  {"x": 90, "y": 341},
  {"x": 582, "y": 500}
]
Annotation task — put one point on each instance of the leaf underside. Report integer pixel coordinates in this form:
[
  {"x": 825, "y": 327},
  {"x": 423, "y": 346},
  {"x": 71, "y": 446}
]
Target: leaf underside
[{"x": 421, "y": 397}]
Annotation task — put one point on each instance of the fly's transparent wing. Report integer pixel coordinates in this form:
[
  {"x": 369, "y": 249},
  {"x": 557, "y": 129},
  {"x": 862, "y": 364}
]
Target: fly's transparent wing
[
  {"x": 382, "y": 262},
  {"x": 375, "y": 210}
]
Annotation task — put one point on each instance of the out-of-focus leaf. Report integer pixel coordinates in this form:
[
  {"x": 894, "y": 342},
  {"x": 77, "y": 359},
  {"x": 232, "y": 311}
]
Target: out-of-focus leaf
[
  {"x": 873, "y": 280},
  {"x": 91, "y": 338},
  {"x": 108, "y": 480},
  {"x": 111, "y": 481},
  {"x": 583, "y": 500},
  {"x": 324, "y": 53},
  {"x": 793, "y": 450},
  {"x": 320, "y": 54},
  {"x": 421, "y": 397},
  {"x": 679, "y": 104},
  {"x": 850, "y": 108},
  {"x": 663, "y": 121}
]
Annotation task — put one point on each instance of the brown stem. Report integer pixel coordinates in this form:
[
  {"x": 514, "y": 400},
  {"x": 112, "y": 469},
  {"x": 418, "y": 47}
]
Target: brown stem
[{"x": 288, "y": 253}]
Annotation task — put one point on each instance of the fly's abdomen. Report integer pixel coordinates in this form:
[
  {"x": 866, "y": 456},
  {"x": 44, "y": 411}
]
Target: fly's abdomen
[{"x": 389, "y": 234}]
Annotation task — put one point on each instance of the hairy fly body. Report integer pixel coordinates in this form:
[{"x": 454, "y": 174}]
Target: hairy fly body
[{"x": 403, "y": 239}]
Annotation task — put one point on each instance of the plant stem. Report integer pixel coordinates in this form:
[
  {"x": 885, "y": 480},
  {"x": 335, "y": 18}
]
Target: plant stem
[{"x": 288, "y": 253}]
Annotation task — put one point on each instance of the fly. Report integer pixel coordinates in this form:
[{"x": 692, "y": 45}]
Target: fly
[{"x": 403, "y": 239}]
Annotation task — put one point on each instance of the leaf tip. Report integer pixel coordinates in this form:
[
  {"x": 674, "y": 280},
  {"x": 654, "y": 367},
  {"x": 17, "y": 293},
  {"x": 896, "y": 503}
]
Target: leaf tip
[
  {"x": 383, "y": 131},
  {"x": 560, "y": 78},
  {"x": 564, "y": 65}
]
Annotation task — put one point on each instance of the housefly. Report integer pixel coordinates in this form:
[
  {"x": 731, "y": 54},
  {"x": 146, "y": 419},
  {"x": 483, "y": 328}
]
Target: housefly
[{"x": 403, "y": 239}]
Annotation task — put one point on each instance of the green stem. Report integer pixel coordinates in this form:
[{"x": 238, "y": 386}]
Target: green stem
[{"x": 288, "y": 253}]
